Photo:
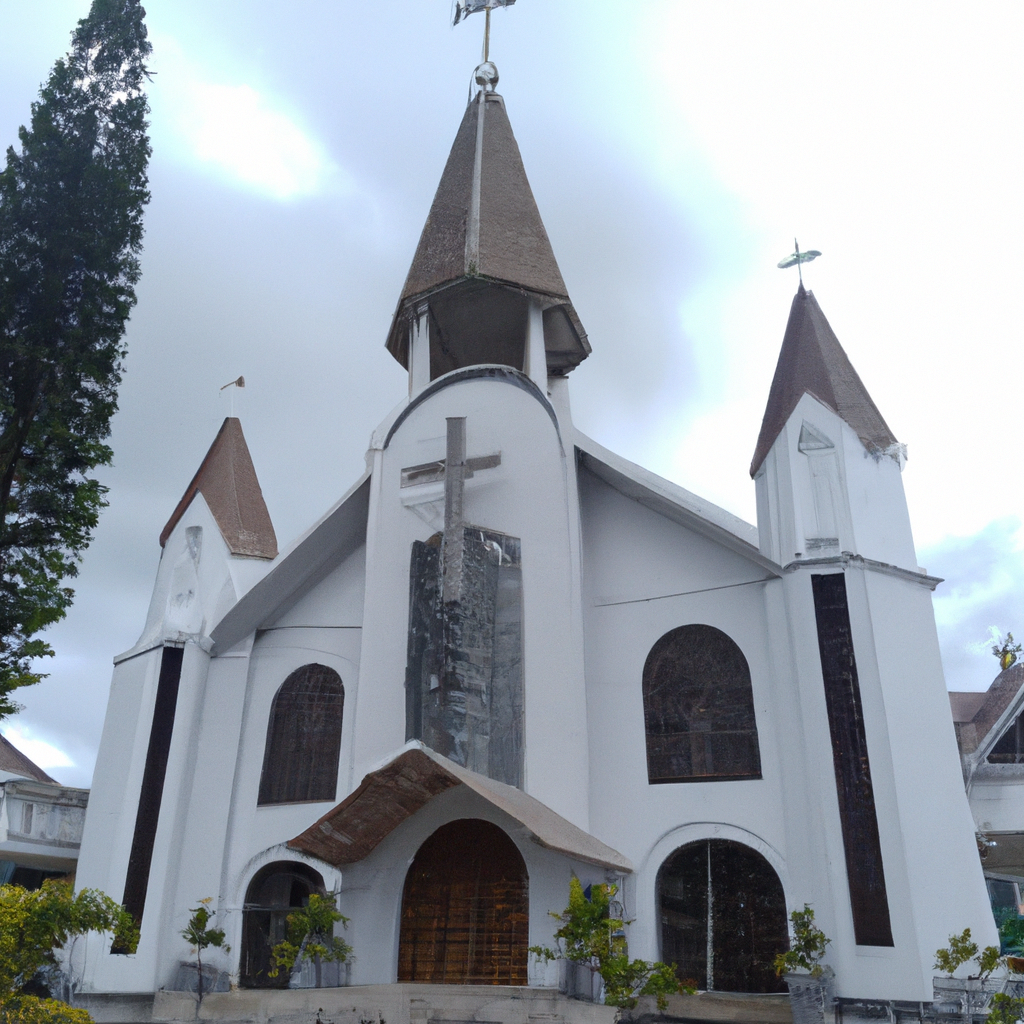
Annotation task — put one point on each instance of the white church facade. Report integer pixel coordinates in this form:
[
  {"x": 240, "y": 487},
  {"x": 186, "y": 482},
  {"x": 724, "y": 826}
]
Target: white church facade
[{"x": 507, "y": 656}]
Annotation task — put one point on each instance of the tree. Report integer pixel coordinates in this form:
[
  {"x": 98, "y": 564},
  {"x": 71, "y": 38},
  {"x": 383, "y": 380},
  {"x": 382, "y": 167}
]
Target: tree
[
  {"x": 200, "y": 937},
  {"x": 71, "y": 206},
  {"x": 36, "y": 923}
]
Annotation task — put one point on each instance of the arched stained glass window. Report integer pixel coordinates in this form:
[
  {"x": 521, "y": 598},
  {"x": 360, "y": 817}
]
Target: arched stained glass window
[
  {"x": 699, "y": 709},
  {"x": 303, "y": 738}
]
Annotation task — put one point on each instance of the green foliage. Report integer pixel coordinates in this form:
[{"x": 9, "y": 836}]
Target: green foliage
[
  {"x": 32, "y": 1010},
  {"x": 71, "y": 206},
  {"x": 311, "y": 937},
  {"x": 988, "y": 960},
  {"x": 807, "y": 947},
  {"x": 36, "y": 923},
  {"x": 962, "y": 948},
  {"x": 199, "y": 936},
  {"x": 589, "y": 935},
  {"x": 1005, "y": 1009},
  {"x": 1011, "y": 932}
]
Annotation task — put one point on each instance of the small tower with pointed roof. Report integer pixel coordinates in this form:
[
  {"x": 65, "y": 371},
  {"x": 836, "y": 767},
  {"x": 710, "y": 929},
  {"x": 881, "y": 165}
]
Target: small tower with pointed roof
[
  {"x": 484, "y": 286},
  {"x": 827, "y": 466}
]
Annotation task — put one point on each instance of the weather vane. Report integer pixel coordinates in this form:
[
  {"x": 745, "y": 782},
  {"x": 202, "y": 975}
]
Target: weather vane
[
  {"x": 797, "y": 257},
  {"x": 234, "y": 385},
  {"x": 464, "y": 8}
]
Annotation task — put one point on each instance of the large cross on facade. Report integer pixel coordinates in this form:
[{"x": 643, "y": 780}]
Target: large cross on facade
[{"x": 454, "y": 469}]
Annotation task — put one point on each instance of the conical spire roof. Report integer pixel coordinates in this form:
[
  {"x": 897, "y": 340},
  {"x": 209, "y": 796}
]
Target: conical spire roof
[
  {"x": 484, "y": 228},
  {"x": 227, "y": 481},
  {"x": 813, "y": 362}
]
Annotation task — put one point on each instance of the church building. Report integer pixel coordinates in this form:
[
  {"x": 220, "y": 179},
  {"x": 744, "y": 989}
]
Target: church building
[{"x": 508, "y": 656}]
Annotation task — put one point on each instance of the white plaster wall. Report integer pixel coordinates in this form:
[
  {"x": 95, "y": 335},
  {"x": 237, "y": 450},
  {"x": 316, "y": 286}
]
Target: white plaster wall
[
  {"x": 871, "y": 510},
  {"x": 530, "y": 495},
  {"x": 191, "y": 594},
  {"x": 928, "y": 800},
  {"x": 110, "y": 818},
  {"x": 644, "y": 576},
  {"x": 997, "y": 805},
  {"x": 275, "y": 655}
]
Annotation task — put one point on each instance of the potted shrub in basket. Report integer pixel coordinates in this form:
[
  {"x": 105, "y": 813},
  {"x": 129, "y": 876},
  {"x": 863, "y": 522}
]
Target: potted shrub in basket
[{"x": 810, "y": 982}]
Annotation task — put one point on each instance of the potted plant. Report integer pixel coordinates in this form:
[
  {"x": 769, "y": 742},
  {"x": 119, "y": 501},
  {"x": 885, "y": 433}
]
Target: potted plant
[
  {"x": 810, "y": 982},
  {"x": 592, "y": 944},
  {"x": 971, "y": 994},
  {"x": 199, "y": 936},
  {"x": 311, "y": 941}
]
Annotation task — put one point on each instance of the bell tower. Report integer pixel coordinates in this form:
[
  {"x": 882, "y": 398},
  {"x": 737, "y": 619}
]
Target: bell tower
[{"x": 484, "y": 286}]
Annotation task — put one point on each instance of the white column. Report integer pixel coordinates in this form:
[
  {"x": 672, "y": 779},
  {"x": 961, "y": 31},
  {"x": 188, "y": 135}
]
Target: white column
[
  {"x": 419, "y": 350},
  {"x": 536, "y": 356}
]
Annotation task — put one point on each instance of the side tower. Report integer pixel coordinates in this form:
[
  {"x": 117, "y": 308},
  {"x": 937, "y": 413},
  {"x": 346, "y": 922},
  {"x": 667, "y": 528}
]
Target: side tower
[
  {"x": 214, "y": 546},
  {"x": 832, "y": 512}
]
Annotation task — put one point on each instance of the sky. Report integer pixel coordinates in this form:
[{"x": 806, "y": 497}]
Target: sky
[{"x": 675, "y": 149}]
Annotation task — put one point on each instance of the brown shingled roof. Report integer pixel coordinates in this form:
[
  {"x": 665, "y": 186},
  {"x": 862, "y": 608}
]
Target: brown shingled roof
[
  {"x": 227, "y": 480},
  {"x": 389, "y": 796},
  {"x": 813, "y": 362},
  {"x": 14, "y": 761},
  {"x": 484, "y": 225},
  {"x": 965, "y": 704}
]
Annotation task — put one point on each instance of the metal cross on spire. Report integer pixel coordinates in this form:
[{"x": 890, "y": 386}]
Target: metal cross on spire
[
  {"x": 464, "y": 8},
  {"x": 797, "y": 257}
]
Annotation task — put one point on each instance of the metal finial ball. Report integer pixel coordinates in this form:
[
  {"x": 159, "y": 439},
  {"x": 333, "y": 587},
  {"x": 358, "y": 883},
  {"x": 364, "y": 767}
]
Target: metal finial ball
[{"x": 486, "y": 76}]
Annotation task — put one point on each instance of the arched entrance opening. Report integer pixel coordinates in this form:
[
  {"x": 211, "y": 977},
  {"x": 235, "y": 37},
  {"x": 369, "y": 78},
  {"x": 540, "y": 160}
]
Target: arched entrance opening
[
  {"x": 723, "y": 916},
  {"x": 274, "y": 892},
  {"x": 465, "y": 909}
]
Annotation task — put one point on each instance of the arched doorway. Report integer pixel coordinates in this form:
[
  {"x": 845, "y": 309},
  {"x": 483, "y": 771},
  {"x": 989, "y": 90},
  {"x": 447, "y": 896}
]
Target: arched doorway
[
  {"x": 465, "y": 909},
  {"x": 274, "y": 892},
  {"x": 723, "y": 916}
]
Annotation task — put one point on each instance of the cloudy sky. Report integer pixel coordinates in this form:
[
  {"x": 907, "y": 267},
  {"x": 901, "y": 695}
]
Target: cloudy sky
[{"x": 674, "y": 148}]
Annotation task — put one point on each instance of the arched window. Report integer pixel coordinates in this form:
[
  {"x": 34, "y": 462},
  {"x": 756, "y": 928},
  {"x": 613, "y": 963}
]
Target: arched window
[
  {"x": 274, "y": 892},
  {"x": 699, "y": 709},
  {"x": 303, "y": 738},
  {"x": 723, "y": 917}
]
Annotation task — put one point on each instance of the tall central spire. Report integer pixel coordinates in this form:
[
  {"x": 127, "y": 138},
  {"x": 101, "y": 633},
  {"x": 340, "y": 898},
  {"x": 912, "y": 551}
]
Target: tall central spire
[{"x": 484, "y": 258}]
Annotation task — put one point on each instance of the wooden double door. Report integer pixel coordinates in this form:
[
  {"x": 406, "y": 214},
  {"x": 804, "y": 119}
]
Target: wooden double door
[{"x": 465, "y": 909}]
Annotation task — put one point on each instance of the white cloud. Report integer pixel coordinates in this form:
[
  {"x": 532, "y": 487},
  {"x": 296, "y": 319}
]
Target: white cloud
[
  {"x": 44, "y": 754},
  {"x": 237, "y": 132}
]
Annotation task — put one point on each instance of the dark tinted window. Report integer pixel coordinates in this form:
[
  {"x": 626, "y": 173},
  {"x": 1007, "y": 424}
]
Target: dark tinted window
[
  {"x": 303, "y": 738},
  {"x": 699, "y": 708}
]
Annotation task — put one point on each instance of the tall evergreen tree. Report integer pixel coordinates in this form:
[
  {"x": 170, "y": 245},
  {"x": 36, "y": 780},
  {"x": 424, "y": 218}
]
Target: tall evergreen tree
[{"x": 71, "y": 205}]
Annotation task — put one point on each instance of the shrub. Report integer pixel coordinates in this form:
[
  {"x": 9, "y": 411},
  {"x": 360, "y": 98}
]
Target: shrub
[
  {"x": 589, "y": 935},
  {"x": 807, "y": 947}
]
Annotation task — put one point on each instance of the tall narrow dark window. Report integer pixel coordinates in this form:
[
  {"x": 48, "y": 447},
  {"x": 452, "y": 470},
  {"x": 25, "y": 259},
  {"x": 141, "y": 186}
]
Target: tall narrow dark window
[
  {"x": 303, "y": 738},
  {"x": 871, "y": 925},
  {"x": 137, "y": 878},
  {"x": 699, "y": 709}
]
